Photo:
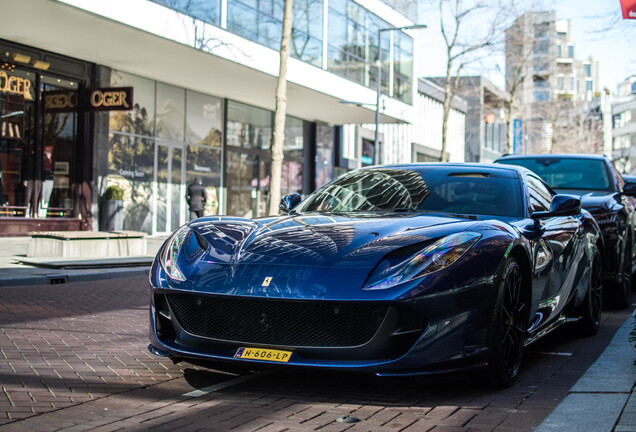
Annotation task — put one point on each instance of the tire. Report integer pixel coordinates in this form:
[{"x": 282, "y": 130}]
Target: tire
[
  {"x": 623, "y": 283},
  {"x": 507, "y": 327},
  {"x": 593, "y": 304}
]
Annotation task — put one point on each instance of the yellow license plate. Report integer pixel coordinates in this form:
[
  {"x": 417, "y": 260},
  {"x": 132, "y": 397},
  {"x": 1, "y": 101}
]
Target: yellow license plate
[{"x": 263, "y": 354}]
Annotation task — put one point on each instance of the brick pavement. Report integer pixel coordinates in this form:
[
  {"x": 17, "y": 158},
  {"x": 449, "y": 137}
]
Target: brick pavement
[
  {"x": 62, "y": 345},
  {"x": 73, "y": 358}
]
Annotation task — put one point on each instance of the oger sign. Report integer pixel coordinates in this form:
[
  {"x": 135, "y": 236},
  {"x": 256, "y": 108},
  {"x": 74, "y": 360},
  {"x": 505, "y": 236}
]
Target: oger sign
[{"x": 110, "y": 99}]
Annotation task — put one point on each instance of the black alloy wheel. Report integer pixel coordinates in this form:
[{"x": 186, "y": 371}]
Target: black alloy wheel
[
  {"x": 593, "y": 305},
  {"x": 508, "y": 325}
]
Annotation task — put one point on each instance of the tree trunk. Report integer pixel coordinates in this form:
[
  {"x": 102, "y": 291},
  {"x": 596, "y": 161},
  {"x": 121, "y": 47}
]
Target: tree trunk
[
  {"x": 280, "y": 114},
  {"x": 510, "y": 132},
  {"x": 448, "y": 97}
]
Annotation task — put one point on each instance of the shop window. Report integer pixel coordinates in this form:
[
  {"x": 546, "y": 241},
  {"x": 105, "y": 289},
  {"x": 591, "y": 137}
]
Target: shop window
[
  {"x": 37, "y": 160},
  {"x": 292, "y": 169},
  {"x": 204, "y": 121},
  {"x": 58, "y": 151},
  {"x": 139, "y": 120},
  {"x": 130, "y": 166},
  {"x": 170, "y": 117},
  {"x": 204, "y": 124},
  {"x": 325, "y": 156},
  {"x": 186, "y": 143},
  {"x": 248, "y": 126},
  {"x": 16, "y": 167}
]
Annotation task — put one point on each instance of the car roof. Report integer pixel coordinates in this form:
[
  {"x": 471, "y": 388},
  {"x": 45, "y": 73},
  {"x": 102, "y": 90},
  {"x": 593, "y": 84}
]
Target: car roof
[
  {"x": 502, "y": 170},
  {"x": 554, "y": 156}
]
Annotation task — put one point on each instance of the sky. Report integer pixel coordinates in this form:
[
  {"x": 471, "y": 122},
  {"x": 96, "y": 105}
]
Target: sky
[{"x": 597, "y": 29}]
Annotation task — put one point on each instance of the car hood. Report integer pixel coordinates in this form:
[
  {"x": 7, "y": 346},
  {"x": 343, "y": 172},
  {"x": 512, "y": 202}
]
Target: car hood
[
  {"x": 309, "y": 256},
  {"x": 592, "y": 201},
  {"x": 320, "y": 240}
]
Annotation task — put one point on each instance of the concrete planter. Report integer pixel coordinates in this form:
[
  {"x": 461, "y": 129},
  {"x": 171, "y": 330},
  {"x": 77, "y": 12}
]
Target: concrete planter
[{"x": 112, "y": 215}]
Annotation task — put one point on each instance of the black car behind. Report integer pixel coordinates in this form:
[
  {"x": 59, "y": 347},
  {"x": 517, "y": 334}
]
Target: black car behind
[{"x": 606, "y": 195}]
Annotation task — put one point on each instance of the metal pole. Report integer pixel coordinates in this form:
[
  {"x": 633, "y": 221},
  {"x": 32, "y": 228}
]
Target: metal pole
[{"x": 376, "y": 148}]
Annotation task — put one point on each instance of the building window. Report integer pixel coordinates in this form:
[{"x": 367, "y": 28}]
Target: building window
[
  {"x": 352, "y": 43},
  {"x": 171, "y": 136},
  {"x": 541, "y": 95},
  {"x": 589, "y": 86},
  {"x": 571, "y": 51},
  {"x": 540, "y": 82},
  {"x": 353, "y": 49},
  {"x": 325, "y": 154},
  {"x": 38, "y": 145},
  {"x": 541, "y": 30},
  {"x": 262, "y": 21},
  {"x": 588, "y": 70},
  {"x": 403, "y": 67},
  {"x": 306, "y": 43},
  {"x": 292, "y": 169},
  {"x": 559, "y": 83},
  {"x": 542, "y": 48},
  {"x": 206, "y": 10}
]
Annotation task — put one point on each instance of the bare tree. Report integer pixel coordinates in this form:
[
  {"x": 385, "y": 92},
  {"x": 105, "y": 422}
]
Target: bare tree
[
  {"x": 577, "y": 127},
  {"x": 280, "y": 113},
  {"x": 462, "y": 45}
]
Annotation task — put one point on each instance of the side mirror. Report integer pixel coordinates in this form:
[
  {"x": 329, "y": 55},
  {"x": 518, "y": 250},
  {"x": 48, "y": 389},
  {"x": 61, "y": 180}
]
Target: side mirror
[
  {"x": 562, "y": 205},
  {"x": 288, "y": 202},
  {"x": 629, "y": 188}
]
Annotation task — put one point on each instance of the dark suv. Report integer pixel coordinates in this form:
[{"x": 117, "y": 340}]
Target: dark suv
[{"x": 607, "y": 196}]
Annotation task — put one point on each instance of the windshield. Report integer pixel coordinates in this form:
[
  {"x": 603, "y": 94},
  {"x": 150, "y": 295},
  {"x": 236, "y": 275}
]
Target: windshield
[
  {"x": 567, "y": 173},
  {"x": 434, "y": 189}
]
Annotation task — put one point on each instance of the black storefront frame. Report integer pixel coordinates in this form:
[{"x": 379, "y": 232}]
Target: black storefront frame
[{"x": 82, "y": 177}]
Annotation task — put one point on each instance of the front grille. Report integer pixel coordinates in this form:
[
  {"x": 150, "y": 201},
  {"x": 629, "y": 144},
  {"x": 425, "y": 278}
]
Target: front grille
[
  {"x": 278, "y": 322},
  {"x": 411, "y": 320}
]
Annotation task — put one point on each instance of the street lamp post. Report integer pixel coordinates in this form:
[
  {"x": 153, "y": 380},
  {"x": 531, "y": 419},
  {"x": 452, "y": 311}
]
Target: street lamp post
[{"x": 379, "y": 84}]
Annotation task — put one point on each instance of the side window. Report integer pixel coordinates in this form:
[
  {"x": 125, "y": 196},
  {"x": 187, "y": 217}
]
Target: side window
[
  {"x": 539, "y": 197},
  {"x": 619, "y": 178}
]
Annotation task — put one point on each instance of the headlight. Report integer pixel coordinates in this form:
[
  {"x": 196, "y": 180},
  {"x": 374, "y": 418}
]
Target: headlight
[
  {"x": 434, "y": 257},
  {"x": 170, "y": 254}
]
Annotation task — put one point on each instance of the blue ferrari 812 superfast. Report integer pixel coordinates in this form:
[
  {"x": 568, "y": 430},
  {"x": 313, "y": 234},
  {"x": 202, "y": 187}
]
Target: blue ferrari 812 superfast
[{"x": 395, "y": 270}]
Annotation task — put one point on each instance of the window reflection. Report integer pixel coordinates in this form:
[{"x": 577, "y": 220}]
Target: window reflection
[
  {"x": 352, "y": 36},
  {"x": 139, "y": 120},
  {"x": 292, "y": 169},
  {"x": 58, "y": 154},
  {"x": 186, "y": 143},
  {"x": 248, "y": 127},
  {"x": 402, "y": 67},
  {"x": 324, "y": 154},
  {"x": 205, "y": 10},
  {"x": 423, "y": 189},
  {"x": 130, "y": 166},
  {"x": 249, "y": 132},
  {"x": 204, "y": 121},
  {"x": 353, "y": 48},
  {"x": 170, "y": 119}
]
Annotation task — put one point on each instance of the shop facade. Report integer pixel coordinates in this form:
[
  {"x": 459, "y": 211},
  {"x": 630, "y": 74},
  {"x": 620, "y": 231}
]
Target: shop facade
[
  {"x": 44, "y": 142},
  {"x": 173, "y": 135}
]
